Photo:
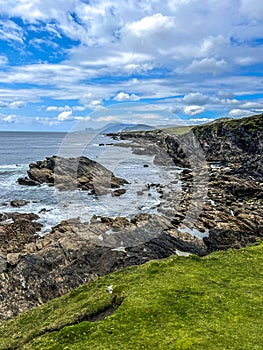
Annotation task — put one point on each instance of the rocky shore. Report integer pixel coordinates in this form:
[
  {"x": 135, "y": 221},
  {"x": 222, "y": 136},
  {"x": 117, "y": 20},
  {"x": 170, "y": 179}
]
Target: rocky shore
[
  {"x": 36, "y": 269},
  {"x": 218, "y": 207},
  {"x": 226, "y": 159}
]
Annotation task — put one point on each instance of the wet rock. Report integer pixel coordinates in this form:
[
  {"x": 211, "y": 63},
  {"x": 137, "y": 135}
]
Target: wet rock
[
  {"x": 18, "y": 203},
  {"x": 119, "y": 192},
  {"x": 71, "y": 173},
  {"x": 25, "y": 181}
]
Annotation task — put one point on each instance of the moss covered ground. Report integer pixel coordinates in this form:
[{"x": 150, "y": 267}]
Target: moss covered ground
[{"x": 213, "y": 302}]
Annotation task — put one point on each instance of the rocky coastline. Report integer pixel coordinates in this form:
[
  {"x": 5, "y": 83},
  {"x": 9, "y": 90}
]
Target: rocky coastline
[{"x": 34, "y": 269}]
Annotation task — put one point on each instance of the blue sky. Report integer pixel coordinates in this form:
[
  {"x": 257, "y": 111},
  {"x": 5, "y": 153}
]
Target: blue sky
[{"x": 64, "y": 63}]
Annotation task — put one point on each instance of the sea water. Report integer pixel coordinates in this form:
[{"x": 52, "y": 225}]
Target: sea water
[{"x": 18, "y": 149}]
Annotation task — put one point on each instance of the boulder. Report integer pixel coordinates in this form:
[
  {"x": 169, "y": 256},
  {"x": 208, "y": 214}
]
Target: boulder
[
  {"x": 71, "y": 173},
  {"x": 18, "y": 203}
]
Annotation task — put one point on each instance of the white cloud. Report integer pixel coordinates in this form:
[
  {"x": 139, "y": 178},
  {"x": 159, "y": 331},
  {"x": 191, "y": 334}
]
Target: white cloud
[
  {"x": 196, "y": 98},
  {"x": 10, "y": 31},
  {"x": 86, "y": 119},
  {"x": 12, "y": 105},
  {"x": 78, "y": 108},
  {"x": 150, "y": 25},
  {"x": 58, "y": 108},
  {"x": 107, "y": 119},
  {"x": 252, "y": 105},
  {"x": 239, "y": 113},
  {"x": 205, "y": 66},
  {"x": 8, "y": 119},
  {"x": 194, "y": 110},
  {"x": 252, "y": 8},
  {"x": 123, "y": 96},
  {"x": 17, "y": 104},
  {"x": 172, "y": 47},
  {"x": 201, "y": 120},
  {"x": 66, "y": 115}
]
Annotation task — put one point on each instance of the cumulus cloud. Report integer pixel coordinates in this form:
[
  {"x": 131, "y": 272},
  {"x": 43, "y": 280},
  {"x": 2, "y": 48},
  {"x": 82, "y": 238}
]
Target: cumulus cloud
[
  {"x": 205, "y": 66},
  {"x": 12, "y": 105},
  {"x": 239, "y": 113},
  {"x": 150, "y": 25},
  {"x": 17, "y": 104},
  {"x": 201, "y": 120},
  {"x": 58, "y": 108},
  {"x": 196, "y": 98},
  {"x": 123, "y": 96},
  {"x": 194, "y": 110},
  {"x": 66, "y": 115},
  {"x": 131, "y": 50},
  {"x": 10, "y": 119}
]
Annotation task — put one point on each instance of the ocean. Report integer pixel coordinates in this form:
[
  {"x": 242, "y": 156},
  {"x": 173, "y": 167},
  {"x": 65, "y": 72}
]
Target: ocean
[{"x": 18, "y": 149}]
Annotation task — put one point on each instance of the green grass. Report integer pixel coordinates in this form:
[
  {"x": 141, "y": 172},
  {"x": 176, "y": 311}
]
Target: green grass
[
  {"x": 214, "y": 302},
  {"x": 178, "y": 130}
]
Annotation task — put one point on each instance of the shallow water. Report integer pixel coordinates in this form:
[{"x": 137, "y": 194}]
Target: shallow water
[{"x": 20, "y": 149}]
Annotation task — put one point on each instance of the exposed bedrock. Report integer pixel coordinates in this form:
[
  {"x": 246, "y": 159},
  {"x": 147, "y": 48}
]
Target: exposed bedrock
[{"x": 72, "y": 173}]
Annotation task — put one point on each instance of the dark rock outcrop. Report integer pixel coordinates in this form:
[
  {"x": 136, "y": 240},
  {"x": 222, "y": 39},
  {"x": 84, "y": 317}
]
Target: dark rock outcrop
[
  {"x": 72, "y": 173},
  {"x": 17, "y": 230},
  {"x": 18, "y": 203},
  {"x": 38, "y": 269},
  {"x": 233, "y": 209}
]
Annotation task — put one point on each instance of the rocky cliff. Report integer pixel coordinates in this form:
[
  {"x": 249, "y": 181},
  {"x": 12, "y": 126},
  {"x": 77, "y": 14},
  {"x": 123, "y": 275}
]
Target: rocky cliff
[{"x": 236, "y": 142}]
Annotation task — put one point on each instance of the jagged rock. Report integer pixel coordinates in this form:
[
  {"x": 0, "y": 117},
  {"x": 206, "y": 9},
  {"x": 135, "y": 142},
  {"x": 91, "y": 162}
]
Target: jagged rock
[
  {"x": 72, "y": 173},
  {"x": 75, "y": 253},
  {"x": 22, "y": 230}
]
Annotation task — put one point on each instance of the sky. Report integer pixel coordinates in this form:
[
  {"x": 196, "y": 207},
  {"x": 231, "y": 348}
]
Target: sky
[{"x": 64, "y": 63}]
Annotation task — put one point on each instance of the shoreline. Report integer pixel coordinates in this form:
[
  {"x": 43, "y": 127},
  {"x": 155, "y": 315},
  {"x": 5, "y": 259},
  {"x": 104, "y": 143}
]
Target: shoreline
[{"x": 76, "y": 252}]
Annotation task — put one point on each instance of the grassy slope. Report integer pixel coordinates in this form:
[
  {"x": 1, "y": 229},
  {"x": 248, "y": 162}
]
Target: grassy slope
[
  {"x": 250, "y": 123},
  {"x": 214, "y": 302}
]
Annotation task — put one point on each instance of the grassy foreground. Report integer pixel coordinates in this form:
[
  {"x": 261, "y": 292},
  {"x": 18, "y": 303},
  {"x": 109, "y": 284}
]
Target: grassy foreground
[{"x": 214, "y": 302}]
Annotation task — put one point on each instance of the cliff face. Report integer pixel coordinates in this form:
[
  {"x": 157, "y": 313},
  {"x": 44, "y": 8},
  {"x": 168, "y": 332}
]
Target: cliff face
[
  {"x": 235, "y": 141},
  {"x": 239, "y": 142},
  {"x": 230, "y": 203},
  {"x": 231, "y": 140}
]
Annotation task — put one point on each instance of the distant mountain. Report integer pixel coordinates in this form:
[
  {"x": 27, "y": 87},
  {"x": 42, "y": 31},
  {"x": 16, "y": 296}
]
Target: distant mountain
[
  {"x": 120, "y": 127},
  {"x": 114, "y": 127},
  {"x": 139, "y": 127}
]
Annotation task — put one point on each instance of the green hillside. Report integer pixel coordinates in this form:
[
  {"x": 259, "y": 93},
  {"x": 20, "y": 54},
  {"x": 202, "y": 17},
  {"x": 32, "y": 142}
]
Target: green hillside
[{"x": 214, "y": 302}]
